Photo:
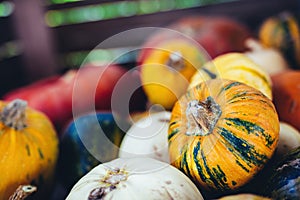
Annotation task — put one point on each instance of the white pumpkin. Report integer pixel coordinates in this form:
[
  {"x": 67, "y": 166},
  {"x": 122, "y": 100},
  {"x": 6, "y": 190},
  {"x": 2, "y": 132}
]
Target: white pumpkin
[
  {"x": 271, "y": 60},
  {"x": 289, "y": 138},
  {"x": 134, "y": 179},
  {"x": 148, "y": 137}
]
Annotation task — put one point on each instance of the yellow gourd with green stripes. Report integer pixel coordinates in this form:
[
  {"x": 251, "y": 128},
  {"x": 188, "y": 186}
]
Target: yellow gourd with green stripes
[
  {"x": 221, "y": 133},
  {"x": 235, "y": 66}
]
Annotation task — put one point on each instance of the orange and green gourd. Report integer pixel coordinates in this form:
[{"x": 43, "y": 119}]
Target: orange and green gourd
[{"x": 221, "y": 133}]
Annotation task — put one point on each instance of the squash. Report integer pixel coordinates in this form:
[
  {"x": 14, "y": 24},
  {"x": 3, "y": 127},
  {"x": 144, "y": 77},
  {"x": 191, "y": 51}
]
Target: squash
[
  {"x": 166, "y": 71},
  {"x": 270, "y": 59},
  {"x": 87, "y": 141},
  {"x": 216, "y": 34},
  {"x": 286, "y": 90},
  {"x": 222, "y": 133},
  {"x": 76, "y": 91},
  {"x": 148, "y": 137},
  {"x": 282, "y": 32},
  {"x": 285, "y": 180},
  {"x": 134, "y": 179},
  {"x": 237, "y": 67},
  {"x": 28, "y": 146}
]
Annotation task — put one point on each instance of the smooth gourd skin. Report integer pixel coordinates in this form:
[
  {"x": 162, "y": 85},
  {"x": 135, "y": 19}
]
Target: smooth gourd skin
[
  {"x": 242, "y": 141},
  {"x": 87, "y": 141},
  {"x": 164, "y": 81},
  {"x": 27, "y": 156},
  {"x": 285, "y": 180},
  {"x": 237, "y": 67},
  {"x": 135, "y": 179}
]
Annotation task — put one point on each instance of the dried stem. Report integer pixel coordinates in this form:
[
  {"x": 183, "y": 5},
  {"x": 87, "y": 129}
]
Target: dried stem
[
  {"x": 22, "y": 192},
  {"x": 13, "y": 114},
  {"x": 202, "y": 116}
]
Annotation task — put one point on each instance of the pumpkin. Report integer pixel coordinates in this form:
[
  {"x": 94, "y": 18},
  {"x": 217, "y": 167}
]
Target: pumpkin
[
  {"x": 283, "y": 33},
  {"x": 87, "y": 141},
  {"x": 228, "y": 33},
  {"x": 134, "y": 179},
  {"x": 286, "y": 90},
  {"x": 28, "y": 146},
  {"x": 148, "y": 137},
  {"x": 222, "y": 133},
  {"x": 285, "y": 180},
  {"x": 237, "y": 67},
  {"x": 270, "y": 59},
  {"x": 166, "y": 71}
]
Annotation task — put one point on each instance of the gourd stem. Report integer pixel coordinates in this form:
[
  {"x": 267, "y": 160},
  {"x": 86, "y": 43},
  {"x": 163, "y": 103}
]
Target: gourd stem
[
  {"x": 176, "y": 61},
  {"x": 202, "y": 116},
  {"x": 13, "y": 114},
  {"x": 111, "y": 179},
  {"x": 22, "y": 192}
]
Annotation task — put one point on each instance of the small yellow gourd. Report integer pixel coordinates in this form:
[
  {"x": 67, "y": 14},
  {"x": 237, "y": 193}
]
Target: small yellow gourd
[{"x": 28, "y": 148}]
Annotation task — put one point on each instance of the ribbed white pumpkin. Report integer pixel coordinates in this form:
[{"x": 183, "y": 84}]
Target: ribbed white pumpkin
[
  {"x": 134, "y": 179},
  {"x": 148, "y": 137}
]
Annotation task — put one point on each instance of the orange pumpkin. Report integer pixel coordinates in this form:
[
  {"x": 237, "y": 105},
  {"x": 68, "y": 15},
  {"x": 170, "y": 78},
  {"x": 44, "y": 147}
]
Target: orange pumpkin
[
  {"x": 286, "y": 90},
  {"x": 222, "y": 133},
  {"x": 28, "y": 148}
]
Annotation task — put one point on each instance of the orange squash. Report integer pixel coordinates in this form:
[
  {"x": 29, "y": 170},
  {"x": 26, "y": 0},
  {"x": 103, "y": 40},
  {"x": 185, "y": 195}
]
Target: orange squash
[
  {"x": 222, "y": 133},
  {"x": 28, "y": 148},
  {"x": 286, "y": 90}
]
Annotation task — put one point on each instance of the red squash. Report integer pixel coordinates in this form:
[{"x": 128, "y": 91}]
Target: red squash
[
  {"x": 217, "y": 35},
  {"x": 90, "y": 87}
]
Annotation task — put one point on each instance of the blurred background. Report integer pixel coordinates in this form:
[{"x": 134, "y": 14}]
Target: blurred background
[{"x": 39, "y": 38}]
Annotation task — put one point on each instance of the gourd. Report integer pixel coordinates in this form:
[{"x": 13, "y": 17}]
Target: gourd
[
  {"x": 222, "y": 133},
  {"x": 237, "y": 67},
  {"x": 166, "y": 71},
  {"x": 28, "y": 146},
  {"x": 87, "y": 141},
  {"x": 286, "y": 90},
  {"x": 282, "y": 32},
  {"x": 285, "y": 180},
  {"x": 289, "y": 139},
  {"x": 148, "y": 137},
  {"x": 270, "y": 59},
  {"x": 134, "y": 179}
]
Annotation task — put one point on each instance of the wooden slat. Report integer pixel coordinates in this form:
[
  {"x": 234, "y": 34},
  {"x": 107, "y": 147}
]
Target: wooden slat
[
  {"x": 87, "y": 35},
  {"x": 6, "y": 31},
  {"x": 35, "y": 38},
  {"x": 79, "y": 4}
]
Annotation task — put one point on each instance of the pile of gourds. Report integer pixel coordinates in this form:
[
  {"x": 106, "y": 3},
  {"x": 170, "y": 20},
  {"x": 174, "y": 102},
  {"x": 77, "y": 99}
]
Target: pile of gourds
[{"x": 230, "y": 126}]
